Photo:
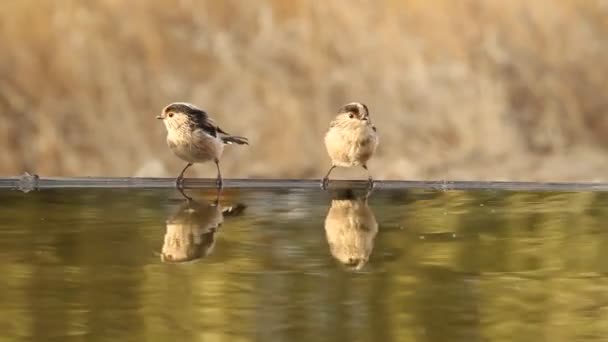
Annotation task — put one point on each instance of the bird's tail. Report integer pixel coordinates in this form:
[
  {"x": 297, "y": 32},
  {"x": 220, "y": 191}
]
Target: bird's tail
[
  {"x": 233, "y": 210},
  {"x": 232, "y": 139}
]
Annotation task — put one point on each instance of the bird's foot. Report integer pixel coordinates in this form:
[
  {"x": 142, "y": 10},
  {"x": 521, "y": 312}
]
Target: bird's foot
[
  {"x": 219, "y": 182},
  {"x": 179, "y": 182},
  {"x": 370, "y": 183},
  {"x": 324, "y": 183}
]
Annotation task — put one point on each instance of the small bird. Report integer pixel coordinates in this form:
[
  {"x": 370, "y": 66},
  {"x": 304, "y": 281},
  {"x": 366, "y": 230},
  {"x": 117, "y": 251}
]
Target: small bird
[
  {"x": 351, "y": 139},
  {"x": 191, "y": 231},
  {"x": 194, "y": 137},
  {"x": 350, "y": 229}
]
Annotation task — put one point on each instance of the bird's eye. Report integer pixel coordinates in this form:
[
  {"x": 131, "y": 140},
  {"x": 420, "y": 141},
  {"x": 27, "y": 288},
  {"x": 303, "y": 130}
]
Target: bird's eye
[
  {"x": 351, "y": 116},
  {"x": 171, "y": 114}
]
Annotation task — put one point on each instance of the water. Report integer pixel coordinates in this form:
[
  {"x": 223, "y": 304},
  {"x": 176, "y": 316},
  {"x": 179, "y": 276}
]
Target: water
[{"x": 411, "y": 265}]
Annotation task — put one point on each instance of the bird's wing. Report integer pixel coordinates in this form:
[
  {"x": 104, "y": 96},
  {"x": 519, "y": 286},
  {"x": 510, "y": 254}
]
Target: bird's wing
[
  {"x": 203, "y": 122},
  {"x": 208, "y": 127},
  {"x": 222, "y": 131},
  {"x": 216, "y": 128}
]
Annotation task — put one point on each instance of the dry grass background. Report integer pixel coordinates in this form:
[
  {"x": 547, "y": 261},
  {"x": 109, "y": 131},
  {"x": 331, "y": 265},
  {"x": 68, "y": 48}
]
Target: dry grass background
[{"x": 468, "y": 89}]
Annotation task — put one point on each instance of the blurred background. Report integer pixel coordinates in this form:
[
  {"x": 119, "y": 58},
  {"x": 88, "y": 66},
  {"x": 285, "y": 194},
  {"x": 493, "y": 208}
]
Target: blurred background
[{"x": 462, "y": 90}]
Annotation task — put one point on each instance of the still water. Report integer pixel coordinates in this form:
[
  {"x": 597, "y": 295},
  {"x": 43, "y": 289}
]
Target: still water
[{"x": 287, "y": 265}]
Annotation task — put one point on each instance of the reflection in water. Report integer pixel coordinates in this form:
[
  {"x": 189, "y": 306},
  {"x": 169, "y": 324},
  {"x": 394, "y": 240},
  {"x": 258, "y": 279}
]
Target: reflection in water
[
  {"x": 350, "y": 228},
  {"x": 191, "y": 230},
  {"x": 448, "y": 266}
]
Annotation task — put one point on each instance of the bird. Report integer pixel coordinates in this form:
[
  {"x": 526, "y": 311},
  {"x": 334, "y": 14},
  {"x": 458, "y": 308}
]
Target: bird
[
  {"x": 195, "y": 138},
  {"x": 191, "y": 230},
  {"x": 351, "y": 139},
  {"x": 350, "y": 229}
]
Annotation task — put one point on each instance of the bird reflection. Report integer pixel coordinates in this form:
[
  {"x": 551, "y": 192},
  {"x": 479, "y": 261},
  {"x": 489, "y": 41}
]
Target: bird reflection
[
  {"x": 191, "y": 229},
  {"x": 350, "y": 228}
]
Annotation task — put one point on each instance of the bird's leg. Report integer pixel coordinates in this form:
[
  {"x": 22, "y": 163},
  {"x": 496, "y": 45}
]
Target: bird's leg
[
  {"x": 325, "y": 180},
  {"x": 219, "y": 182},
  {"x": 179, "y": 182},
  {"x": 181, "y": 190},
  {"x": 217, "y": 197},
  {"x": 368, "y": 194},
  {"x": 370, "y": 180}
]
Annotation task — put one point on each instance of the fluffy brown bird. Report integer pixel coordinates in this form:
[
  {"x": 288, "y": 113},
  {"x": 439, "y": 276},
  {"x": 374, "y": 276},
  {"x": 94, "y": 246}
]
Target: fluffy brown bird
[
  {"x": 350, "y": 229},
  {"x": 351, "y": 139},
  {"x": 191, "y": 230},
  {"x": 194, "y": 137}
]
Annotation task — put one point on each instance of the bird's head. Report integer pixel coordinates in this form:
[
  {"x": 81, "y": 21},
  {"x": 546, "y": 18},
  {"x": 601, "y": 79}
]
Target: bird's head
[
  {"x": 181, "y": 114},
  {"x": 354, "y": 111}
]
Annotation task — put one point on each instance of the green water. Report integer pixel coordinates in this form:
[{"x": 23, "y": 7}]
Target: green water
[{"x": 106, "y": 265}]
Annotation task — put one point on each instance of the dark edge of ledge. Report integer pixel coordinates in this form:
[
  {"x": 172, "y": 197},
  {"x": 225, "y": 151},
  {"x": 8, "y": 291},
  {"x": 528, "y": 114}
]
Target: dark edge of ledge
[{"x": 28, "y": 183}]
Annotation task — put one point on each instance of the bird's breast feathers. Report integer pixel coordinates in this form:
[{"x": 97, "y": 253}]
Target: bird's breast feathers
[
  {"x": 362, "y": 135},
  {"x": 196, "y": 147}
]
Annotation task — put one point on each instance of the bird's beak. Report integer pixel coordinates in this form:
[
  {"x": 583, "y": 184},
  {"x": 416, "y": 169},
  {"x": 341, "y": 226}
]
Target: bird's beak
[{"x": 160, "y": 117}]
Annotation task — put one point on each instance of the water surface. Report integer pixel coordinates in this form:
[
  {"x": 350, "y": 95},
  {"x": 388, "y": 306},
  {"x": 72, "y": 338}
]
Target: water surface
[{"x": 303, "y": 264}]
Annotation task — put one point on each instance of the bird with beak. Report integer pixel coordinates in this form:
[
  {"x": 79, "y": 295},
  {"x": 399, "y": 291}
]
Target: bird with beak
[
  {"x": 194, "y": 137},
  {"x": 351, "y": 139}
]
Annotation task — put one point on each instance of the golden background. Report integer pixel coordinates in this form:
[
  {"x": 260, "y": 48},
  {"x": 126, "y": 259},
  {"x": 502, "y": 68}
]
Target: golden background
[{"x": 483, "y": 90}]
